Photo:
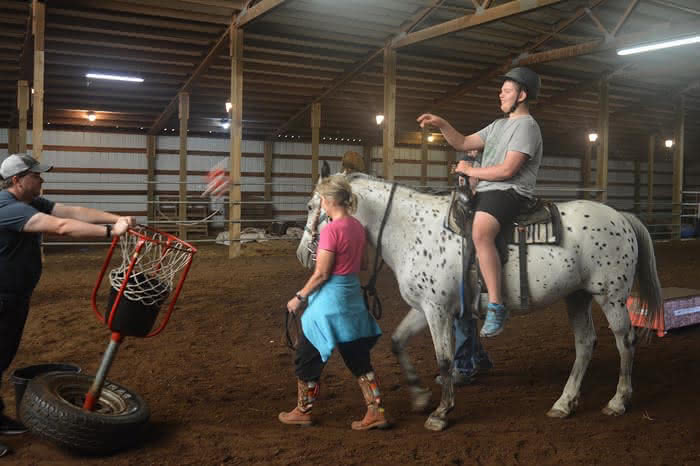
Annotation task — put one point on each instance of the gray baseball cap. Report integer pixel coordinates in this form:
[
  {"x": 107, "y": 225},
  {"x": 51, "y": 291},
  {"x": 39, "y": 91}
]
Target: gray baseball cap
[{"x": 16, "y": 164}]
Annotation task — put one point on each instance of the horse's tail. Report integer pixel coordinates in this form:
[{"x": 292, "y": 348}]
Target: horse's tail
[{"x": 649, "y": 285}]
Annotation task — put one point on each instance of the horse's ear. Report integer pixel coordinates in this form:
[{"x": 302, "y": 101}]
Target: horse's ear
[{"x": 325, "y": 169}]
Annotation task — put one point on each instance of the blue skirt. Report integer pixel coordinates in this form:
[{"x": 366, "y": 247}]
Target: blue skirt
[{"x": 336, "y": 313}]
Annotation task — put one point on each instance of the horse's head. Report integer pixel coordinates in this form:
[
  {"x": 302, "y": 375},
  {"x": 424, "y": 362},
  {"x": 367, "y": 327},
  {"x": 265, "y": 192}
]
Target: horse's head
[{"x": 316, "y": 220}]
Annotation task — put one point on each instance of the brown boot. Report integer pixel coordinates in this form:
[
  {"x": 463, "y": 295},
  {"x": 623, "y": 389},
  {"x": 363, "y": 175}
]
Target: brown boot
[
  {"x": 374, "y": 418},
  {"x": 301, "y": 414}
]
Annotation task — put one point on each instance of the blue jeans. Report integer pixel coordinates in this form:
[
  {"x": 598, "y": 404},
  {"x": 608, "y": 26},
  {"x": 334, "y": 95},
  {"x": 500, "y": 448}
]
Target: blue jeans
[{"x": 470, "y": 356}]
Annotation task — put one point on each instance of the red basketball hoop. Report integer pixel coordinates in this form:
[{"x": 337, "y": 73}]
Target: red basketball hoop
[
  {"x": 146, "y": 277},
  {"x": 154, "y": 267}
]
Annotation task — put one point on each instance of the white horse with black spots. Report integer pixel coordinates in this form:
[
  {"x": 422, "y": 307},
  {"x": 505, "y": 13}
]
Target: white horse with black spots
[{"x": 600, "y": 254}]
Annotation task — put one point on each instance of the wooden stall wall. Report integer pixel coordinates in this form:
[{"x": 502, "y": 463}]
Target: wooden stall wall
[{"x": 109, "y": 171}]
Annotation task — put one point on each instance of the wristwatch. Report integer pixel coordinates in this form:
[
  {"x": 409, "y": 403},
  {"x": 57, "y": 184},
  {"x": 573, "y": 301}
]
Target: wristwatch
[
  {"x": 300, "y": 297},
  {"x": 108, "y": 231}
]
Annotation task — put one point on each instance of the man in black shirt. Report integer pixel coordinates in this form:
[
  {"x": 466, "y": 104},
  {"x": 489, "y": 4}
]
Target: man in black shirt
[{"x": 24, "y": 216}]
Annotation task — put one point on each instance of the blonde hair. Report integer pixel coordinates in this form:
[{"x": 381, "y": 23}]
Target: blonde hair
[
  {"x": 352, "y": 162},
  {"x": 337, "y": 189}
]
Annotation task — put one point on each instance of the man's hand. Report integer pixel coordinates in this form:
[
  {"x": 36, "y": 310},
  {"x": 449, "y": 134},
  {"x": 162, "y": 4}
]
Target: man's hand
[
  {"x": 130, "y": 220},
  {"x": 464, "y": 167},
  {"x": 121, "y": 225},
  {"x": 428, "y": 119}
]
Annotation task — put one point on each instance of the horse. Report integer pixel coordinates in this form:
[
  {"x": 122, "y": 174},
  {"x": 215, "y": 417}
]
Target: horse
[{"x": 600, "y": 254}]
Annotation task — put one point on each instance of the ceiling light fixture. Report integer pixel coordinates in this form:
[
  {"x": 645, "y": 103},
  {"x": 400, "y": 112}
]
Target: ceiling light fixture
[
  {"x": 114, "y": 77},
  {"x": 659, "y": 45},
  {"x": 379, "y": 118},
  {"x": 593, "y": 137},
  {"x": 431, "y": 138},
  {"x": 229, "y": 106},
  {"x": 91, "y": 116},
  {"x": 668, "y": 143}
]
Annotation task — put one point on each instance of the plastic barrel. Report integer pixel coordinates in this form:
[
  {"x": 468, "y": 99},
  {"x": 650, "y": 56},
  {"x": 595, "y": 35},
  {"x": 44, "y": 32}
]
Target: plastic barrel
[{"x": 21, "y": 377}]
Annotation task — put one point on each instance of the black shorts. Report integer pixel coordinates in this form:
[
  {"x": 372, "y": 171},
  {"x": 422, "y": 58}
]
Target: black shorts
[{"x": 504, "y": 206}]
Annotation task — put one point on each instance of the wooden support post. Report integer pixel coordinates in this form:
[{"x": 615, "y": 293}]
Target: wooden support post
[
  {"x": 424, "y": 157},
  {"x": 12, "y": 141},
  {"x": 22, "y": 108},
  {"x": 389, "y": 112},
  {"x": 151, "y": 149},
  {"x": 451, "y": 161},
  {"x": 650, "y": 180},
  {"x": 268, "y": 151},
  {"x": 234, "y": 229},
  {"x": 678, "y": 159},
  {"x": 367, "y": 156},
  {"x": 637, "y": 187},
  {"x": 184, "y": 101},
  {"x": 586, "y": 171},
  {"x": 315, "y": 138},
  {"x": 603, "y": 132},
  {"x": 38, "y": 23}
]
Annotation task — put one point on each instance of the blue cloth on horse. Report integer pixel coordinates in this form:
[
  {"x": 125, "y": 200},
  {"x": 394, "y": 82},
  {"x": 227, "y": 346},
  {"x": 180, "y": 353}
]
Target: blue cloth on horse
[{"x": 337, "y": 314}]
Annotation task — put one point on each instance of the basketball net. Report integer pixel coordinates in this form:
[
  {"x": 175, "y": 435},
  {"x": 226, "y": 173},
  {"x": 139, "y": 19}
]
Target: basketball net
[{"x": 155, "y": 258}]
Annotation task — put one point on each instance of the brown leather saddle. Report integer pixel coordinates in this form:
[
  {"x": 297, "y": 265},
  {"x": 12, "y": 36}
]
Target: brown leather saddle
[{"x": 539, "y": 222}]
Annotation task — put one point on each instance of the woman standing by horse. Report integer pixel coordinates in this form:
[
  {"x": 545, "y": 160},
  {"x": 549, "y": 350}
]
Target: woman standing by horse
[{"x": 336, "y": 314}]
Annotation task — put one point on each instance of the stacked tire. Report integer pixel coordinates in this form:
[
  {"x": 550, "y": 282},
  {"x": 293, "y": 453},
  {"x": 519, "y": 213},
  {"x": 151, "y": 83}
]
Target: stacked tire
[{"x": 52, "y": 409}]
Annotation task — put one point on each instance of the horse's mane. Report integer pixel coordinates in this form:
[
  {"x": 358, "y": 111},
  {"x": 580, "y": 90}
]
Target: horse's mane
[{"x": 422, "y": 189}]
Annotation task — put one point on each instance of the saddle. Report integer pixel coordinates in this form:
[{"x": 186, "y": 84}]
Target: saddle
[{"x": 539, "y": 222}]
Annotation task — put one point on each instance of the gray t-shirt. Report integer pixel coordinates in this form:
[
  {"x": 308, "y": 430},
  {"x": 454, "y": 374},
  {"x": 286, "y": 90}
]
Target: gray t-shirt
[{"x": 520, "y": 134}]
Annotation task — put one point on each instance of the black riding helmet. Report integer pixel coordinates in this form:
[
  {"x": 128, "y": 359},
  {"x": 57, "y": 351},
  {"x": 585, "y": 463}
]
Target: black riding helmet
[{"x": 526, "y": 78}]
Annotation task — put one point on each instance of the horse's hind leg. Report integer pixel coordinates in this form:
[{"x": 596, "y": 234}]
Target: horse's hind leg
[
  {"x": 579, "y": 309},
  {"x": 413, "y": 323},
  {"x": 619, "y": 321},
  {"x": 440, "y": 321}
]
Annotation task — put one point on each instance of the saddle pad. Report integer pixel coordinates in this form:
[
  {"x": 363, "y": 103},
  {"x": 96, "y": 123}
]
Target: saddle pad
[{"x": 542, "y": 225}]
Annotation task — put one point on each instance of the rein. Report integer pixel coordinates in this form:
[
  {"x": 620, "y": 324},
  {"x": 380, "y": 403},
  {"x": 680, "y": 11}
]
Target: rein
[
  {"x": 291, "y": 322},
  {"x": 370, "y": 289}
]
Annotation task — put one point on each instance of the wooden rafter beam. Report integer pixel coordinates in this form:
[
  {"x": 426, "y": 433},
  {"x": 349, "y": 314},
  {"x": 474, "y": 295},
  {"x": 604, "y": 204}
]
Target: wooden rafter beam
[
  {"x": 597, "y": 22},
  {"x": 623, "y": 19},
  {"x": 244, "y": 18},
  {"x": 498, "y": 70},
  {"x": 676, "y": 6},
  {"x": 254, "y": 12},
  {"x": 657, "y": 32},
  {"x": 360, "y": 65},
  {"x": 199, "y": 70},
  {"x": 515, "y": 7}
]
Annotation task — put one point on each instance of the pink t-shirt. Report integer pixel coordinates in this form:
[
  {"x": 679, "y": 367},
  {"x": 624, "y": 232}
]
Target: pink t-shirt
[{"x": 346, "y": 238}]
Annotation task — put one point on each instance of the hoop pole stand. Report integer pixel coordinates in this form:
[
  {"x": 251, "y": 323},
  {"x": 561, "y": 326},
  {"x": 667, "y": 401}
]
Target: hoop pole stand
[{"x": 96, "y": 389}]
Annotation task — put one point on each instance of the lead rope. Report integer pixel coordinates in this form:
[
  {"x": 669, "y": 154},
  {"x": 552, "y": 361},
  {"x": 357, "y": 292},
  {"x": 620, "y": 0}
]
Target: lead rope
[{"x": 370, "y": 290}]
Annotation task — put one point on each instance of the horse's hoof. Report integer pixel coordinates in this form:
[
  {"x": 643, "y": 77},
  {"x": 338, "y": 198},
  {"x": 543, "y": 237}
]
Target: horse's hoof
[
  {"x": 420, "y": 400},
  {"x": 435, "y": 423},
  {"x": 557, "y": 413},
  {"x": 608, "y": 411}
]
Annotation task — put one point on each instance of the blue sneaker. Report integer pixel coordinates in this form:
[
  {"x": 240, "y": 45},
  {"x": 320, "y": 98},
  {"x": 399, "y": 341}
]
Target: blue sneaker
[{"x": 496, "y": 316}]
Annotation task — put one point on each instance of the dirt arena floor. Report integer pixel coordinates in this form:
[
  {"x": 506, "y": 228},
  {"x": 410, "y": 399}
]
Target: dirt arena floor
[{"x": 217, "y": 377}]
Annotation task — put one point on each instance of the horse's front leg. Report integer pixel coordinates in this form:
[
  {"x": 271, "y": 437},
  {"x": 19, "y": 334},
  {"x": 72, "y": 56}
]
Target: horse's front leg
[
  {"x": 440, "y": 321},
  {"x": 413, "y": 323}
]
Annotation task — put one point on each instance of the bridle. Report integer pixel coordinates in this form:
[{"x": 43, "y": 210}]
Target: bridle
[{"x": 312, "y": 246}]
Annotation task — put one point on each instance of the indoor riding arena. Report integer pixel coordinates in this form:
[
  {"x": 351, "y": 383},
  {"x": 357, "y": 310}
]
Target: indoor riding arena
[{"x": 209, "y": 122}]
